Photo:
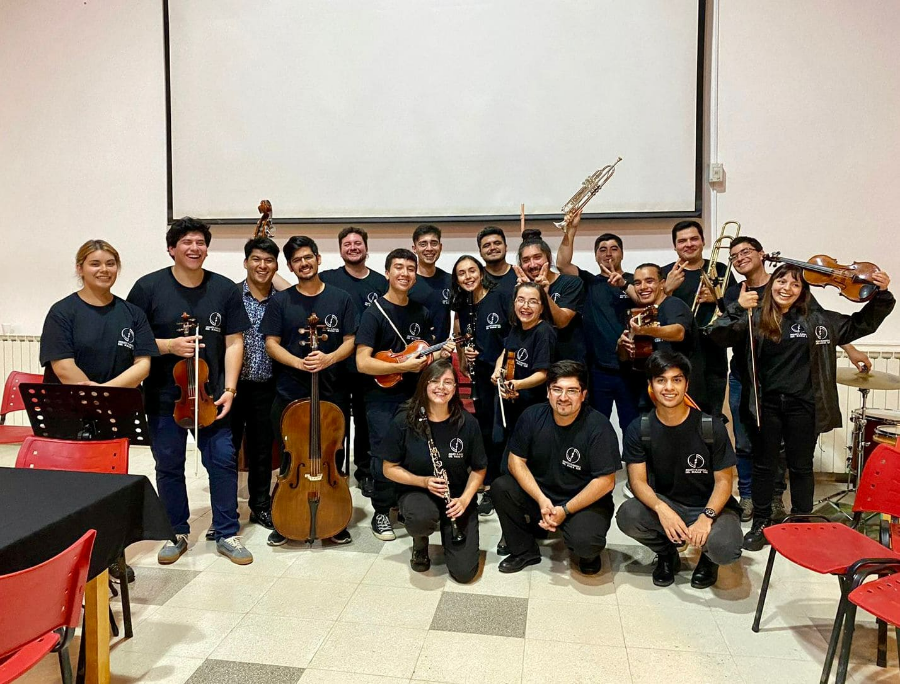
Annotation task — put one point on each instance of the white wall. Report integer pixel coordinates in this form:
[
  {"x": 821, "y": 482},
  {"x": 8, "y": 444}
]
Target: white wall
[{"x": 807, "y": 106}]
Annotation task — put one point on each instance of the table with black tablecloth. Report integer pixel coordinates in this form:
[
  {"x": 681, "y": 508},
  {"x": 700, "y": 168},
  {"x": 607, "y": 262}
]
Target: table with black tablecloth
[{"x": 43, "y": 512}]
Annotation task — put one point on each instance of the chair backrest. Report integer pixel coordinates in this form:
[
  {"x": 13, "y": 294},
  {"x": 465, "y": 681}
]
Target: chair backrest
[
  {"x": 12, "y": 398},
  {"x": 103, "y": 456},
  {"x": 879, "y": 485},
  {"x": 45, "y": 597}
]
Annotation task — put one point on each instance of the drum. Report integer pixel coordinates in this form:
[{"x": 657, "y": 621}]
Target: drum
[
  {"x": 875, "y": 418},
  {"x": 887, "y": 434}
]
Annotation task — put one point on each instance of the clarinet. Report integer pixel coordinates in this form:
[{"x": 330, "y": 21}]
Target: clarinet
[
  {"x": 470, "y": 343},
  {"x": 457, "y": 536}
]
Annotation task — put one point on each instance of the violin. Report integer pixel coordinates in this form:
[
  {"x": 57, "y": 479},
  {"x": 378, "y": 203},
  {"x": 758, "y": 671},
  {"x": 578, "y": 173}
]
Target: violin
[
  {"x": 643, "y": 344},
  {"x": 416, "y": 349},
  {"x": 507, "y": 373},
  {"x": 311, "y": 498},
  {"x": 854, "y": 281},
  {"x": 264, "y": 226},
  {"x": 194, "y": 408}
]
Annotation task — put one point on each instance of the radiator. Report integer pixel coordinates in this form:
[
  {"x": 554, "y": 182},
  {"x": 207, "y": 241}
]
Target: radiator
[{"x": 19, "y": 353}]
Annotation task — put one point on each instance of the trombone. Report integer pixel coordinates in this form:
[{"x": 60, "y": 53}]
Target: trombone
[
  {"x": 590, "y": 187},
  {"x": 710, "y": 278}
]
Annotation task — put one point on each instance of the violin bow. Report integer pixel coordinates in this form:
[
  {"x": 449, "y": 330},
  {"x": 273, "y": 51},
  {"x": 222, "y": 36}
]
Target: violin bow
[
  {"x": 196, "y": 403},
  {"x": 753, "y": 365}
]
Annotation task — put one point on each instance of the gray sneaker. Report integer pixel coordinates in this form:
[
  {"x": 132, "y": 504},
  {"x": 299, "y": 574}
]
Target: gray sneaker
[
  {"x": 234, "y": 550},
  {"x": 170, "y": 552}
]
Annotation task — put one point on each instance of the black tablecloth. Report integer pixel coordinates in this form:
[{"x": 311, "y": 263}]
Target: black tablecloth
[{"x": 42, "y": 512}]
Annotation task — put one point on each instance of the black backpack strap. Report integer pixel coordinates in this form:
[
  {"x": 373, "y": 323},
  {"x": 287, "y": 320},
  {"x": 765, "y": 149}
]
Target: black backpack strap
[
  {"x": 645, "y": 432},
  {"x": 706, "y": 430}
]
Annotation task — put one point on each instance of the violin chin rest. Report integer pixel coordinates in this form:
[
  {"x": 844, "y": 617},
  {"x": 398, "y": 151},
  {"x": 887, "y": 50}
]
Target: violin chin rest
[{"x": 866, "y": 292}]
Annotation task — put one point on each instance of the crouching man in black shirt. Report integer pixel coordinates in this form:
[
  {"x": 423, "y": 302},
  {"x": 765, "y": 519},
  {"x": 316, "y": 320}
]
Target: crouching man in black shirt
[
  {"x": 681, "y": 470},
  {"x": 563, "y": 457}
]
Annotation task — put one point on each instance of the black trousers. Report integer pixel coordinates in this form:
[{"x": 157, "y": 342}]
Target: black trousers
[
  {"x": 484, "y": 395},
  {"x": 362, "y": 454},
  {"x": 380, "y": 414},
  {"x": 793, "y": 421},
  {"x": 584, "y": 532},
  {"x": 425, "y": 514},
  {"x": 250, "y": 416},
  {"x": 715, "y": 375},
  {"x": 723, "y": 546}
]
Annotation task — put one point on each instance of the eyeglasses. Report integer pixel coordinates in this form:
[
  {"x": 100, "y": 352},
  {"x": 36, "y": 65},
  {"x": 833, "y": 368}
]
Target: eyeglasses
[
  {"x": 570, "y": 392},
  {"x": 521, "y": 301},
  {"x": 442, "y": 383},
  {"x": 747, "y": 251}
]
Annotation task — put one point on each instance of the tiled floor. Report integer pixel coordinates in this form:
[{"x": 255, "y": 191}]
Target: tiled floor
[{"x": 357, "y": 613}]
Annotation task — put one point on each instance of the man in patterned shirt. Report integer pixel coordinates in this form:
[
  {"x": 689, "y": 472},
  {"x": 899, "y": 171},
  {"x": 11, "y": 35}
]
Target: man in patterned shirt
[{"x": 256, "y": 387}]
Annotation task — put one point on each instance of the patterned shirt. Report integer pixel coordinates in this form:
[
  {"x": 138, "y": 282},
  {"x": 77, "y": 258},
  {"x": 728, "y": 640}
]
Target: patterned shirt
[{"x": 257, "y": 364}]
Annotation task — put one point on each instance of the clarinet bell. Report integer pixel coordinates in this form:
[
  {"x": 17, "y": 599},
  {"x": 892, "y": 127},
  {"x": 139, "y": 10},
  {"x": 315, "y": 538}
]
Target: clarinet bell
[{"x": 457, "y": 536}]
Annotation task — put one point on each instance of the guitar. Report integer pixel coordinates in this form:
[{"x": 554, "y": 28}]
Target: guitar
[
  {"x": 643, "y": 345},
  {"x": 416, "y": 349}
]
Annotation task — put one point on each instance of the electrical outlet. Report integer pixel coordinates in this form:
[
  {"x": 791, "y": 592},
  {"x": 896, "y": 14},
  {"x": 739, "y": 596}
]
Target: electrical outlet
[{"x": 716, "y": 173}]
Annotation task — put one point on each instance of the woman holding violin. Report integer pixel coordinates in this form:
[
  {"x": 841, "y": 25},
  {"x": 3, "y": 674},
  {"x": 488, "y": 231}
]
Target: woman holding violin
[
  {"x": 433, "y": 451},
  {"x": 482, "y": 311},
  {"x": 794, "y": 344}
]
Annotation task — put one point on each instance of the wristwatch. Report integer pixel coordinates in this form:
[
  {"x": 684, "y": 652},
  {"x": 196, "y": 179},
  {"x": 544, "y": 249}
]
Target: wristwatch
[
  {"x": 710, "y": 513},
  {"x": 232, "y": 390},
  {"x": 565, "y": 509}
]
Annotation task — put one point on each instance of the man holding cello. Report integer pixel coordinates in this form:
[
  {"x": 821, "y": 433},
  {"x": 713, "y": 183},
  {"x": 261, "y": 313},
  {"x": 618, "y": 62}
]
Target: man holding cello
[{"x": 214, "y": 304}]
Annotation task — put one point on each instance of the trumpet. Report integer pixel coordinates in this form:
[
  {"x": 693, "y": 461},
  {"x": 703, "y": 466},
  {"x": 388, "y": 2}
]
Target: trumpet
[
  {"x": 590, "y": 187},
  {"x": 710, "y": 278}
]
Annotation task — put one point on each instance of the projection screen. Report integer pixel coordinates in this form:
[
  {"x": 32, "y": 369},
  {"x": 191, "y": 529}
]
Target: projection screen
[{"x": 411, "y": 109}]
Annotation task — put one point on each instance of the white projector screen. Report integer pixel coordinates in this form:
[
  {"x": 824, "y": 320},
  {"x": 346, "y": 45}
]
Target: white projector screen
[{"x": 410, "y": 109}]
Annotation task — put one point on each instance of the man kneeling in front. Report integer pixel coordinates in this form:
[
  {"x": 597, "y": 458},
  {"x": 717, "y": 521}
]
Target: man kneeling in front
[
  {"x": 563, "y": 458},
  {"x": 681, "y": 467}
]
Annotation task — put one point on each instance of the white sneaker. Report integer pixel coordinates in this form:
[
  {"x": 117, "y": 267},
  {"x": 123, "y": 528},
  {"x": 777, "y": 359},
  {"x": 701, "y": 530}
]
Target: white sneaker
[{"x": 234, "y": 550}]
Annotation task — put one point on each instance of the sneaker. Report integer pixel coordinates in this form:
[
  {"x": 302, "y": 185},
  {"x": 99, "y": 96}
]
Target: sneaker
[
  {"x": 170, "y": 552},
  {"x": 746, "y": 509},
  {"x": 486, "y": 505},
  {"x": 420, "y": 562},
  {"x": 276, "y": 539},
  {"x": 755, "y": 539},
  {"x": 778, "y": 511},
  {"x": 367, "y": 487},
  {"x": 667, "y": 566},
  {"x": 342, "y": 537},
  {"x": 234, "y": 550},
  {"x": 114, "y": 573},
  {"x": 211, "y": 534},
  {"x": 382, "y": 528},
  {"x": 263, "y": 518}
]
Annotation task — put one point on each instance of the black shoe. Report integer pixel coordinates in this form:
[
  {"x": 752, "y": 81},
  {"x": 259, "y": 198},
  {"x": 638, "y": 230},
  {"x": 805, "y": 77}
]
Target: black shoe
[
  {"x": 263, "y": 518},
  {"x": 778, "y": 511},
  {"x": 211, "y": 534},
  {"x": 746, "y": 509},
  {"x": 420, "y": 562},
  {"x": 114, "y": 573},
  {"x": 367, "y": 487},
  {"x": 519, "y": 562},
  {"x": 755, "y": 539},
  {"x": 486, "y": 505},
  {"x": 590, "y": 566},
  {"x": 667, "y": 565},
  {"x": 705, "y": 574},
  {"x": 276, "y": 539},
  {"x": 342, "y": 537},
  {"x": 382, "y": 528},
  {"x": 502, "y": 548}
]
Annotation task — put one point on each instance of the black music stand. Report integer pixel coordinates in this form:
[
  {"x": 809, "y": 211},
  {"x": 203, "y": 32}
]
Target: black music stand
[{"x": 85, "y": 412}]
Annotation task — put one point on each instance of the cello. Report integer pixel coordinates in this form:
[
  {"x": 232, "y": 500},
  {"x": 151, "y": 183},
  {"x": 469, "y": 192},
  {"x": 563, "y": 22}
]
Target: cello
[{"x": 311, "y": 498}]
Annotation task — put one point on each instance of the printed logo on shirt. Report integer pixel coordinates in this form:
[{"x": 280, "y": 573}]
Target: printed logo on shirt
[
  {"x": 522, "y": 357},
  {"x": 371, "y": 297},
  {"x": 445, "y": 296},
  {"x": 573, "y": 456},
  {"x": 215, "y": 321},
  {"x": 493, "y": 320},
  {"x": 555, "y": 296},
  {"x": 414, "y": 330},
  {"x": 331, "y": 323},
  {"x": 822, "y": 335},
  {"x": 456, "y": 448},
  {"x": 696, "y": 464},
  {"x": 127, "y": 338},
  {"x": 797, "y": 332}
]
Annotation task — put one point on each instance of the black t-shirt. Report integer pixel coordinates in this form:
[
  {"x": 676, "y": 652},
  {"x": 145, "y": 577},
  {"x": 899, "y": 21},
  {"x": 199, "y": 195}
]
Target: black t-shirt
[
  {"x": 505, "y": 283},
  {"x": 739, "y": 350},
  {"x": 461, "y": 450},
  {"x": 680, "y": 465},
  {"x": 687, "y": 291},
  {"x": 564, "y": 460},
  {"x": 535, "y": 350},
  {"x": 414, "y": 323},
  {"x": 784, "y": 367},
  {"x": 605, "y": 316},
  {"x": 491, "y": 325},
  {"x": 567, "y": 292},
  {"x": 217, "y": 306},
  {"x": 286, "y": 313},
  {"x": 102, "y": 340},
  {"x": 434, "y": 293},
  {"x": 673, "y": 311},
  {"x": 363, "y": 291}
]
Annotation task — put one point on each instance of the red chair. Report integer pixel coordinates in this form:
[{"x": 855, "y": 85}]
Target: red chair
[
  {"x": 835, "y": 549},
  {"x": 12, "y": 401},
  {"x": 41, "y": 609},
  {"x": 110, "y": 456}
]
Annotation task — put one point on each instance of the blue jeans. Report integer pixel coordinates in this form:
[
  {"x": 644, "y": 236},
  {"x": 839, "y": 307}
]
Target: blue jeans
[
  {"x": 608, "y": 387},
  {"x": 742, "y": 445},
  {"x": 218, "y": 457}
]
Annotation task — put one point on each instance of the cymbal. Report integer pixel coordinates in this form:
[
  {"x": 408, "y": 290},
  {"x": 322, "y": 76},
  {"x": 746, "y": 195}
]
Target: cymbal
[{"x": 873, "y": 380}]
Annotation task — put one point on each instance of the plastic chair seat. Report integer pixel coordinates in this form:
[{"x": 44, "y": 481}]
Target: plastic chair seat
[
  {"x": 14, "y": 434},
  {"x": 881, "y": 598},
  {"x": 27, "y": 657},
  {"x": 826, "y": 548}
]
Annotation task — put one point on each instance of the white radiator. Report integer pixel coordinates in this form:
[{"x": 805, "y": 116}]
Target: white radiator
[{"x": 19, "y": 353}]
